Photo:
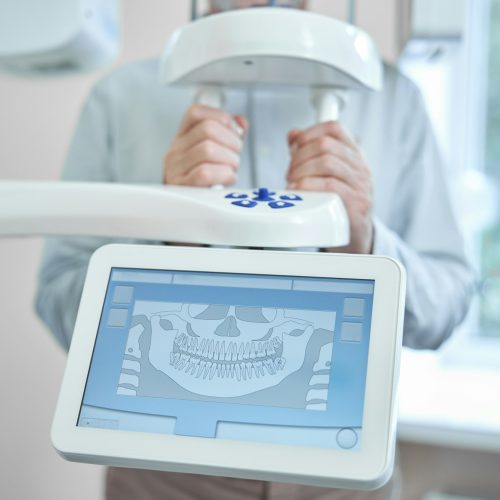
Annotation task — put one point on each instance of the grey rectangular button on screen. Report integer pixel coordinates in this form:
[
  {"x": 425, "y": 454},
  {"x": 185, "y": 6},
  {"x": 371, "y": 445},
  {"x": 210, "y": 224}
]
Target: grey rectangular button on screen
[
  {"x": 331, "y": 286},
  {"x": 123, "y": 294},
  {"x": 351, "y": 332},
  {"x": 142, "y": 277},
  {"x": 354, "y": 307},
  {"x": 117, "y": 317},
  {"x": 233, "y": 281}
]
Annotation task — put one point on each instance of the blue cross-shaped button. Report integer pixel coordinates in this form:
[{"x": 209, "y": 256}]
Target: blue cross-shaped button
[{"x": 263, "y": 194}]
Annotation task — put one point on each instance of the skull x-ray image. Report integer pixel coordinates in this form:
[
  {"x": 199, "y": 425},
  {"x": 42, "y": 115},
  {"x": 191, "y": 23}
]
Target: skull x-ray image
[{"x": 229, "y": 353}]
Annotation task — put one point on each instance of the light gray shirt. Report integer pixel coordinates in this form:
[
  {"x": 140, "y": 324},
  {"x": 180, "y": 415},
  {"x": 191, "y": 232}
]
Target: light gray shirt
[{"x": 129, "y": 121}]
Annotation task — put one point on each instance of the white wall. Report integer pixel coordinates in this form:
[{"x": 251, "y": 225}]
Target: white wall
[{"x": 37, "y": 118}]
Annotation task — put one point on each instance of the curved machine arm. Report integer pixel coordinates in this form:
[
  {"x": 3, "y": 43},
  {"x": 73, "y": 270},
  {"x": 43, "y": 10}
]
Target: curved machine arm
[{"x": 174, "y": 214}]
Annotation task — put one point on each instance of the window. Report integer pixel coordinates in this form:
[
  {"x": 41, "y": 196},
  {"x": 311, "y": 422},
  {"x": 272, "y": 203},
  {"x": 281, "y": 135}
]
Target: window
[
  {"x": 460, "y": 81},
  {"x": 490, "y": 244}
]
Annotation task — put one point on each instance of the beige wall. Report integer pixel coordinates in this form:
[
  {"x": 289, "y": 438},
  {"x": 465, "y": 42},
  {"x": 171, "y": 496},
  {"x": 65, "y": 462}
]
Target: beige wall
[
  {"x": 385, "y": 20},
  {"x": 36, "y": 122}
]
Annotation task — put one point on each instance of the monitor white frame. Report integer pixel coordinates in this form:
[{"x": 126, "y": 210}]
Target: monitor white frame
[{"x": 367, "y": 468}]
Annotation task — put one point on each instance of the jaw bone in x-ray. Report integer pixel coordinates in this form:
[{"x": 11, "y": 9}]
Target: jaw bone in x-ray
[{"x": 228, "y": 351}]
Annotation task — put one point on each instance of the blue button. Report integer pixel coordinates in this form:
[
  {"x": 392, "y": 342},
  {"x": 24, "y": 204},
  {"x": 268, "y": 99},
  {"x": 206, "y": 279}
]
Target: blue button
[
  {"x": 291, "y": 197},
  {"x": 245, "y": 203},
  {"x": 281, "y": 204},
  {"x": 237, "y": 196},
  {"x": 263, "y": 194}
]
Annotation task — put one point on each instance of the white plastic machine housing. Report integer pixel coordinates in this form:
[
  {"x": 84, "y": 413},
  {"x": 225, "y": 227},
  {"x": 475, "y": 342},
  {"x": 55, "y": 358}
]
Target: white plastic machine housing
[
  {"x": 247, "y": 47},
  {"x": 173, "y": 214},
  {"x": 368, "y": 467},
  {"x": 272, "y": 46},
  {"x": 54, "y": 37}
]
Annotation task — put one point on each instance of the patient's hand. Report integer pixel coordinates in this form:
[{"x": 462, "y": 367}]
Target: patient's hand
[
  {"x": 325, "y": 158},
  {"x": 206, "y": 150}
]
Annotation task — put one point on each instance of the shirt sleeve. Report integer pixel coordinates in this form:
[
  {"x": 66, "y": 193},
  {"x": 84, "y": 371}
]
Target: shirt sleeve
[
  {"x": 65, "y": 260},
  {"x": 423, "y": 234}
]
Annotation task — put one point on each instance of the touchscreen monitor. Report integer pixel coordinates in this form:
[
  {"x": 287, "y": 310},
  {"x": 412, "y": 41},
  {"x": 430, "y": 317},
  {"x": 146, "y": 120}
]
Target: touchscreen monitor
[{"x": 264, "y": 358}]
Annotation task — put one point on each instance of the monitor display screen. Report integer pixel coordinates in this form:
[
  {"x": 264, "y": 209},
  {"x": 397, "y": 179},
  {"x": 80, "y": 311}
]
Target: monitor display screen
[{"x": 276, "y": 359}]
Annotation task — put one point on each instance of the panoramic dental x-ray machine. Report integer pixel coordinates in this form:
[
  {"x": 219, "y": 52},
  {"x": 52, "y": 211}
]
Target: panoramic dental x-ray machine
[{"x": 265, "y": 365}]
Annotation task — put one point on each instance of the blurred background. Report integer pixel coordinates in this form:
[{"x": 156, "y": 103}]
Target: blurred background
[{"x": 449, "y": 427}]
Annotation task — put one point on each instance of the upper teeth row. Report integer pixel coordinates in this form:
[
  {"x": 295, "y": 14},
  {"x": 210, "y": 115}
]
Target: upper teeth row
[
  {"x": 217, "y": 350},
  {"x": 244, "y": 370}
]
